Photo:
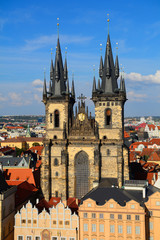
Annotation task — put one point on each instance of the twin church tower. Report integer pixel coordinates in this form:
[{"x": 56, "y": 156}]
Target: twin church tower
[{"x": 80, "y": 150}]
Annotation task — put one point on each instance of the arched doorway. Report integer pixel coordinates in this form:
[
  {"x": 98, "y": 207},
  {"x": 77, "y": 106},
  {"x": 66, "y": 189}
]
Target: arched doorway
[{"x": 81, "y": 174}]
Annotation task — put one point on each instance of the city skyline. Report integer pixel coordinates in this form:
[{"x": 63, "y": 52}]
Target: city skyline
[{"x": 28, "y": 32}]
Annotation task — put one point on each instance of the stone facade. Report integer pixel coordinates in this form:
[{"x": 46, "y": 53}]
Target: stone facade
[{"x": 79, "y": 149}]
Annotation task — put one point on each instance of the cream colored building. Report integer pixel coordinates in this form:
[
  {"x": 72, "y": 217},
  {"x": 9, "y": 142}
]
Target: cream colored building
[
  {"x": 58, "y": 224},
  {"x": 131, "y": 213}
]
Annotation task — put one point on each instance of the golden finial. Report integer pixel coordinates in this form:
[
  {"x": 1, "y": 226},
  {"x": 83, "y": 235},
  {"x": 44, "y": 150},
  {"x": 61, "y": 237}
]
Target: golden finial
[
  {"x": 58, "y": 27},
  {"x": 117, "y": 48},
  {"x": 101, "y": 49},
  {"x": 108, "y": 21}
]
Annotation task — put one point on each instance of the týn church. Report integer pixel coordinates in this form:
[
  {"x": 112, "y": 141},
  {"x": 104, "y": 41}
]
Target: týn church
[{"x": 79, "y": 150}]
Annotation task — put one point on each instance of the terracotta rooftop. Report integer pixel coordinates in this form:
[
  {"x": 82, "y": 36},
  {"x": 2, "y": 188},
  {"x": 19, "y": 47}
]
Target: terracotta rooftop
[
  {"x": 23, "y": 139},
  {"x": 37, "y": 149}
]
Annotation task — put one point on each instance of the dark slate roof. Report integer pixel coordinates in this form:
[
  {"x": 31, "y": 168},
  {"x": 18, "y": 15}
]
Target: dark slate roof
[
  {"x": 12, "y": 161},
  {"x": 120, "y": 195},
  {"x": 3, "y": 185}
]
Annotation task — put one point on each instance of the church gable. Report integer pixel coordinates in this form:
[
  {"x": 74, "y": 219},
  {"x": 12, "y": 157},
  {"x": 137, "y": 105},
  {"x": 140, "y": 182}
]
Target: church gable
[{"x": 82, "y": 124}]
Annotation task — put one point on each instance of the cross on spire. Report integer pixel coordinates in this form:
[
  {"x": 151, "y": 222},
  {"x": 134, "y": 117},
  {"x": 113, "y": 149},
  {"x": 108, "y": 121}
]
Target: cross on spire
[{"x": 81, "y": 97}]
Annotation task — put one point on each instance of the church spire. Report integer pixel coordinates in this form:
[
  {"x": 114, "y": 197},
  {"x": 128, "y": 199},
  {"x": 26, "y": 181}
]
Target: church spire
[
  {"x": 65, "y": 67},
  {"x": 72, "y": 89},
  {"x": 101, "y": 68},
  {"x": 117, "y": 67},
  {"x": 94, "y": 85},
  {"x": 44, "y": 88}
]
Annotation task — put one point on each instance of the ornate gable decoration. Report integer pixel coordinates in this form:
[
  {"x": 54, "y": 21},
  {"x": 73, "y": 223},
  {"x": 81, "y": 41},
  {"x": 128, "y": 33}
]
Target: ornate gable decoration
[{"x": 82, "y": 124}]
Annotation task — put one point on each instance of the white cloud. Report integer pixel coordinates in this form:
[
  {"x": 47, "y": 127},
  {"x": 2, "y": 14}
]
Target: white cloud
[
  {"x": 136, "y": 97},
  {"x": 37, "y": 82},
  {"x": 2, "y": 98},
  {"x": 37, "y": 98},
  {"x": 43, "y": 41},
  {"x": 2, "y": 22},
  {"x": 18, "y": 100},
  {"x": 137, "y": 77}
]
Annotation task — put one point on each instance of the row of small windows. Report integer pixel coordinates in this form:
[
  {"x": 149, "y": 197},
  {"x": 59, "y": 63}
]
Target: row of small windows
[
  {"x": 110, "y": 104},
  {"x": 54, "y": 222},
  {"x": 112, "y": 228},
  {"x": 111, "y": 205},
  {"x": 39, "y": 238},
  {"x": 112, "y": 216},
  {"x": 56, "y": 118}
]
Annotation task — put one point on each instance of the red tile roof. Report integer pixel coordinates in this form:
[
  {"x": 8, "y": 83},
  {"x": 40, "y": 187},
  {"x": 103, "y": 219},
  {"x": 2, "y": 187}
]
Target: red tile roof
[
  {"x": 154, "y": 157},
  {"x": 142, "y": 125},
  {"x": 43, "y": 204},
  {"x": 24, "y": 139},
  {"x": 37, "y": 149},
  {"x": 126, "y": 135},
  {"x": 155, "y": 141},
  {"x": 151, "y": 126},
  {"x": 22, "y": 175},
  {"x": 54, "y": 201}
]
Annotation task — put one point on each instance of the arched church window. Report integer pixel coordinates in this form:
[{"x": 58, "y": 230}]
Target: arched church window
[
  {"x": 108, "y": 117},
  {"x": 56, "y": 174},
  {"x": 50, "y": 117},
  {"x": 56, "y": 193},
  {"x": 55, "y": 137},
  {"x": 56, "y": 118},
  {"x": 55, "y": 162},
  {"x": 108, "y": 103}
]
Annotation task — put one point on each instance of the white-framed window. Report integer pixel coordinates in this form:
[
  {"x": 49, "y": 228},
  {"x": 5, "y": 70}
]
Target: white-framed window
[
  {"x": 137, "y": 229},
  {"x": 101, "y": 227},
  {"x": 37, "y": 238},
  {"x": 101, "y": 216},
  {"x": 89, "y": 205},
  {"x": 129, "y": 229},
  {"x": 137, "y": 217},
  {"x": 93, "y": 227},
  {"x": 93, "y": 215},
  {"x": 151, "y": 225},
  {"x": 63, "y": 238},
  {"x": 112, "y": 230},
  {"x": 20, "y": 238},
  {"x": 157, "y": 203},
  {"x": 93, "y": 238},
  {"x": 54, "y": 238},
  {"x": 85, "y": 239},
  {"x": 132, "y": 206},
  {"x": 128, "y": 217},
  {"x": 111, "y": 205},
  {"x": 85, "y": 215},
  {"x": 120, "y": 229},
  {"x": 71, "y": 238},
  {"x": 111, "y": 216},
  {"x": 85, "y": 227},
  {"x": 29, "y": 238}
]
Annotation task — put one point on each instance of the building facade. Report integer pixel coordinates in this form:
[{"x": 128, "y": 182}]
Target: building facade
[
  {"x": 80, "y": 149},
  {"x": 58, "y": 224}
]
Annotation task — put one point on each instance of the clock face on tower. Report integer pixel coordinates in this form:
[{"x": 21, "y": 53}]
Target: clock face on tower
[{"x": 81, "y": 117}]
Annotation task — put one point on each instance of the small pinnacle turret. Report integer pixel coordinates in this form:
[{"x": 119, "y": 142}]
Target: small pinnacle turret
[
  {"x": 65, "y": 70},
  {"x": 51, "y": 70},
  {"x": 101, "y": 68},
  {"x": 72, "y": 89},
  {"x": 94, "y": 85},
  {"x": 116, "y": 67},
  {"x": 99, "y": 86},
  {"x": 44, "y": 89},
  {"x": 67, "y": 88}
]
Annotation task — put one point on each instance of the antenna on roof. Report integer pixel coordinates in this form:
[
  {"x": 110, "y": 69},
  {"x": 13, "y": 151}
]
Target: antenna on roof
[
  {"x": 58, "y": 27},
  {"x": 108, "y": 21}
]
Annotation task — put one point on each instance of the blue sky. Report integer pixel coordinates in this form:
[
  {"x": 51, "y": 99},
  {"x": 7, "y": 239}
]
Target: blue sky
[{"x": 28, "y": 31}]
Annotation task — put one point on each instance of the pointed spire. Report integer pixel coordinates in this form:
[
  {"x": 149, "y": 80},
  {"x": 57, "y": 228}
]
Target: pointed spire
[
  {"x": 99, "y": 86},
  {"x": 50, "y": 88},
  {"x": 117, "y": 67},
  {"x": 56, "y": 69},
  {"x": 51, "y": 68},
  {"x": 101, "y": 68},
  {"x": 65, "y": 70},
  {"x": 124, "y": 87},
  {"x": 94, "y": 85},
  {"x": 67, "y": 88},
  {"x": 121, "y": 84},
  {"x": 44, "y": 88},
  {"x": 72, "y": 89},
  {"x": 108, "y": 69}
]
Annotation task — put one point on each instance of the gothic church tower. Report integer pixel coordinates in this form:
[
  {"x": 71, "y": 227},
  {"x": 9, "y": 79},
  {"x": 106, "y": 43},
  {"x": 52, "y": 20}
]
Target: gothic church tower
[
  {"x": 109, "y": 103},
  {"x": 79, "y": 149}
]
